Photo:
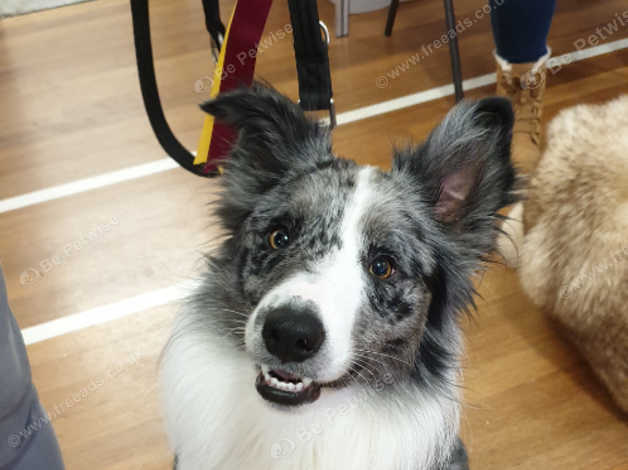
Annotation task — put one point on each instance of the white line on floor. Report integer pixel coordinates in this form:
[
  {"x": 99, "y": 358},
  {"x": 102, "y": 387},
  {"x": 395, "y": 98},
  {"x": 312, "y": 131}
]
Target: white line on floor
[
  {"x": 86, "y": 184},
  {"x": 412, "y": 100},
  {"x": 106, "y": 313},
  {"x": 588, "y": 53},
  {"x": 158, "y": 166},
  {"x": 469, "y": 84}
]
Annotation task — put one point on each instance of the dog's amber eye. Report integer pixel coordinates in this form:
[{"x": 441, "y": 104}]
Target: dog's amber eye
[
  {"x": 381, "y": 267},
  {"x": 278, "y": 239}
]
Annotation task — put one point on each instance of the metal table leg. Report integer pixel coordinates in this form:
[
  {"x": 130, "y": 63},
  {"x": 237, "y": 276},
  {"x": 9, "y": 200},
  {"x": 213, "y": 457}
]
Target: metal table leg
[
  {"x": 453, "y": 49},
  {"x": 342, "y": 18},
  {"x": 392, "y": 14}
]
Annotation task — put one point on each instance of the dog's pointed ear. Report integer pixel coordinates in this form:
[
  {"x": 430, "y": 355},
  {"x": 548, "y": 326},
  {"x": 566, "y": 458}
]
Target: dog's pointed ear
[
  {"x": 274, "y": 140},
  {"x": 272, "y": 132},
  {"x": 463, "y": 169}
]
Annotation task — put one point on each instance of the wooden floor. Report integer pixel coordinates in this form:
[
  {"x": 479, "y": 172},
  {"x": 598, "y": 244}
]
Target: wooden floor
[{"x": 71, "y": 108}]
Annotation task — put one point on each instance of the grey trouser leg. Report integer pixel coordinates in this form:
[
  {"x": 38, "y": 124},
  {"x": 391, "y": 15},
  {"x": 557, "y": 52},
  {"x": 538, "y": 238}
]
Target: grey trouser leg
[{"x": 27, "y": 440}]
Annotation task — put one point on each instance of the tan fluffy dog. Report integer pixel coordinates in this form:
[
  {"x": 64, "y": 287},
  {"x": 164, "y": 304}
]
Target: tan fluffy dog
[{"x": 572, "y": 247}]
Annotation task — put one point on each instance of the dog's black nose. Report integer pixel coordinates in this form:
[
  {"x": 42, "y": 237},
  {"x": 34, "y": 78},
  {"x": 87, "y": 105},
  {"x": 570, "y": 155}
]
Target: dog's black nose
[{"x": 293, "y": 335}]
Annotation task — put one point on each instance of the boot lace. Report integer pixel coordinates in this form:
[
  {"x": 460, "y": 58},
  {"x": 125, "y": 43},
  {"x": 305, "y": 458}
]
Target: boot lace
[{"x": 526, "y": 92}]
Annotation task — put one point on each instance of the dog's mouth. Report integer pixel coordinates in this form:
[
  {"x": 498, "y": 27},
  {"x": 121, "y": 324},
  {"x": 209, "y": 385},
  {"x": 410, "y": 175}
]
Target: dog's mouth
[{"x": 283, "y": 388}]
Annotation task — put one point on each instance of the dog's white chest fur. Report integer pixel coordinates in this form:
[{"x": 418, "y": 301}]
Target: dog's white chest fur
[{"x": 217, "y": 420}]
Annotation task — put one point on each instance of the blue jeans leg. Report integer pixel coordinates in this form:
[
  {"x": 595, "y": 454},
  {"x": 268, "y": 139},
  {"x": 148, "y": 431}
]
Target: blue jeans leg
[{"x": 520, "y": 28}]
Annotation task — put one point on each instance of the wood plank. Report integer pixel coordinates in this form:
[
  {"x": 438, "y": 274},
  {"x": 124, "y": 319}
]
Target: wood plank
[
  {"x": 529, "y": 402},
  {"x": 71, "y": 100},
  {"x": 143, "y": 250},
  {"x": 72, "y": 109},
  {"x": 78, "y": 253},
  {"x": 99, "y": 387}
]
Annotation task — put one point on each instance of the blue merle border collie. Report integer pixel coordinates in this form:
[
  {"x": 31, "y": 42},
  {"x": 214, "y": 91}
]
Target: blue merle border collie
[{"x": 325, "y": 333}]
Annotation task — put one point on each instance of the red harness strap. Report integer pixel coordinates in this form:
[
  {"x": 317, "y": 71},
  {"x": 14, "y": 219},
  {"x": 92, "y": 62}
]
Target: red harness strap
[{"x": 235, "y": 68}]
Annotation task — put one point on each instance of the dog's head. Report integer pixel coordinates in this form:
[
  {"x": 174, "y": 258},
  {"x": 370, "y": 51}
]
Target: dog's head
[{"x": 335, "y": 273}]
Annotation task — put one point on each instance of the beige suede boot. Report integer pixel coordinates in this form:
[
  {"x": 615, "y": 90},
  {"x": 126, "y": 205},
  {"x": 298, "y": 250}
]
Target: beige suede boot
[{"x": 524, "y": 84}]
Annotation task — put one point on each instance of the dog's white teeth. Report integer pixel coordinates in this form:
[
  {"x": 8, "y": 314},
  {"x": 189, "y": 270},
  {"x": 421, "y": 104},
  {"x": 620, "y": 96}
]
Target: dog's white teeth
[
  {"x": 281, "y": 385},
  {"x": 286, "y": 386},
  {"x": 266, "y": 375}
]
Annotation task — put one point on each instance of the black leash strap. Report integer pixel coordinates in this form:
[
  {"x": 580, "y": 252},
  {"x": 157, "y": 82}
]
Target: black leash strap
[
  {"x": 312, "y": 57},
  {"x": 214, "y": 26},
  {"x": 150, "y": 92}
]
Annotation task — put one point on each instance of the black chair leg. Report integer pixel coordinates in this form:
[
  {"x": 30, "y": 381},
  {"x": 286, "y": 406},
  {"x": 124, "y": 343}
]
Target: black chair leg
[
  {"x": 392, "y": 13},
  {"x": 453, "y": 49}
]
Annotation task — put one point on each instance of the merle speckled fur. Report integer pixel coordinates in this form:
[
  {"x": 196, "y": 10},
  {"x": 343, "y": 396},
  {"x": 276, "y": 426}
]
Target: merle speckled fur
[{"x": 282, "y": 173}]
